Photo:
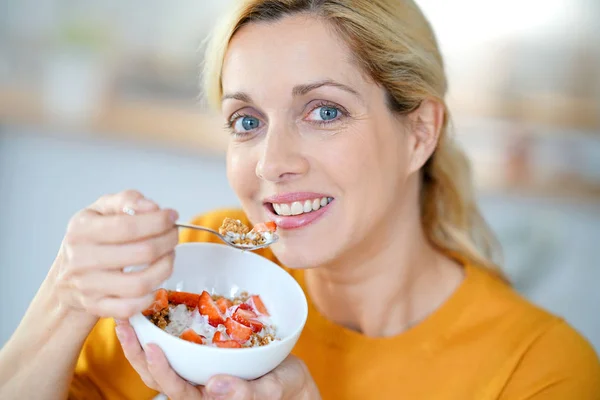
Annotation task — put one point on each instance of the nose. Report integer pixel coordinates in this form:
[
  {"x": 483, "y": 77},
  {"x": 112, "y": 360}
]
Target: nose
[{"x": 281, "y": 158}]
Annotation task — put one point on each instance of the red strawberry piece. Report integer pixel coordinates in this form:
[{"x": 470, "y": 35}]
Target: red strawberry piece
[
  {"x": 191, "y": 336},
  {"x": 245, "y": 306},
  {"x": 245, "y": 313},
  {"x": 259, "y": 306},
  {"x": 269, "y": 226},
  {"x": 247, "y": 318},
  {"x": 224, "y": 304},
  {"x": 237, "y": 331},
  {"x": 189, "y": 299},
  {"x": 161, "y": 301},
  {"x": 206, "y": 306},
  {"x": 218, "y": 337},
  {"x": 219, "y": 340},
  {"x": 228, "y": 344}
]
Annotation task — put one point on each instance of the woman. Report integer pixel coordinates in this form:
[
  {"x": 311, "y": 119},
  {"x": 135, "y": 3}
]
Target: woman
[{"x": 336, "y": 100}]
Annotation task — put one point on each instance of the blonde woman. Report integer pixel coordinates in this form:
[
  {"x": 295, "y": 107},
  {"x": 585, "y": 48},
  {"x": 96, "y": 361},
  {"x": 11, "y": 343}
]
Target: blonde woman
[{"x": 339, "y": 133}]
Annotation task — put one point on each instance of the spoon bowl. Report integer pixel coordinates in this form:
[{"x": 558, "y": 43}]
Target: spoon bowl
[{"x": 227, "y": 240}]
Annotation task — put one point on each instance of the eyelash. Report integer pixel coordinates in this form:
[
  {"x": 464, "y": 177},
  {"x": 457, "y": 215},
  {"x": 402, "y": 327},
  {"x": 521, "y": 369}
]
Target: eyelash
[
  {"x": 321, "y": 103},
  {"x": 229, "y": 124}
]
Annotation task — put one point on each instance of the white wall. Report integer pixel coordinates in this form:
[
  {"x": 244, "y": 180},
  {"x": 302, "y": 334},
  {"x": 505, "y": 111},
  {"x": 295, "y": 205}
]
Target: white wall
[
  {"x": 44, "y": 181},
  {"x": 551, "y": 248}
]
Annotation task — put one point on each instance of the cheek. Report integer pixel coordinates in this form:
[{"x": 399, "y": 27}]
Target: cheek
[
  {"x": 241, "y": 173},
  {"x": 361, "y": 159},
  {"x": 371, "y": 167}
]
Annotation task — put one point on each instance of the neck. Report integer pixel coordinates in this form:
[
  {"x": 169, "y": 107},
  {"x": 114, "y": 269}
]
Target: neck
[{"x": 387, "y": 283}]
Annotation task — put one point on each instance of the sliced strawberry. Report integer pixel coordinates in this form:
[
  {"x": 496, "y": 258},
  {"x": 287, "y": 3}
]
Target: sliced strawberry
[
  {"x": 245, "y": 306},
  {"x": 220, "y": 340},
  {"x": 259, "y": 305},
  {"x": 269, "y": 226},
  {"x": 161, "y": 301},
  {"x": 224, "y": 304},
  {"x": 237, "y": 331},
  {"x": 247, "y": 318},
  {"x": 218, "y": 337},
  {"x": 191, "y": 336},
  {"x": 245, "y": 313},
  {"x": 228, "y": 344},
  {"x": 189, "y": 299},
  {"x": 206, "y": 306}
]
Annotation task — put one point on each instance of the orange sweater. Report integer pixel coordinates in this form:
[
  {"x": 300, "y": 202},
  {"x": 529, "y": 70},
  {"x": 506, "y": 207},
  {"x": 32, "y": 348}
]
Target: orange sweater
[{"x": 485, "y": 342}]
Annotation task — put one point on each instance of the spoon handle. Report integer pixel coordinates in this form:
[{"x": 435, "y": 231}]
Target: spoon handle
[{"x": 197, "y": 227}]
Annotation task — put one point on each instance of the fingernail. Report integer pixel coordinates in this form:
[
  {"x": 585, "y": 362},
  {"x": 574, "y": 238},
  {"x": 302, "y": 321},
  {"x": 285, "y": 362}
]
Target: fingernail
[
  {"x": 219, "y": 387},
  {"x": 144, "y": 204},
  {"x": 150, "y": 355},
  {"x": 119, "y": 332},
  {"x": 173, "y": 215}
]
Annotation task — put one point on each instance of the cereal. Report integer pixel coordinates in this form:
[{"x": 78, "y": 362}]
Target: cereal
[
  {"x": 238, "y": 322},
  {"x": 160, "y": 318},
  {"x": 237, "y": 233}
]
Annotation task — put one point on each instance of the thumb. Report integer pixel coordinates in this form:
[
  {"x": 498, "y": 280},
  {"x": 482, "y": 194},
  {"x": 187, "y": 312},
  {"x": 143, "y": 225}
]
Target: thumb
[
  {"x": 287, "y": 381},
  {"x": 231, "y": 388}
]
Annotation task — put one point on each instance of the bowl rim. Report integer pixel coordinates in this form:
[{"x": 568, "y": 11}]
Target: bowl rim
[{"x": 277, "y": 343}]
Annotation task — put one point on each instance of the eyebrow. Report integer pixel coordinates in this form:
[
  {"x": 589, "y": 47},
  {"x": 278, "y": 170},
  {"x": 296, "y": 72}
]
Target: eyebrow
[{"x": 298, "y": 90}]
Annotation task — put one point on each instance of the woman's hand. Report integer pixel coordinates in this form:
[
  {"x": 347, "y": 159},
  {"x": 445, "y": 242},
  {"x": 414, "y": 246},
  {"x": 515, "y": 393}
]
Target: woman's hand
[
  {"x": 100, "y": 241},
  {"x": 290, "y": 380}
]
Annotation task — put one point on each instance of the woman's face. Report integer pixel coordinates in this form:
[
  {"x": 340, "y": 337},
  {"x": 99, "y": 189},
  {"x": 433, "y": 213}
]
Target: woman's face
[{"x": 313, "y": 146}]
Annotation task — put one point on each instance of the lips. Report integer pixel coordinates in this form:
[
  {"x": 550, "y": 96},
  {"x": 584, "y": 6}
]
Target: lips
[{"x": 296, "y": 210}]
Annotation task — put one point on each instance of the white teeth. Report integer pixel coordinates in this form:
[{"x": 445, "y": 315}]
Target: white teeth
[
  {"x": 307, "y": 206},
  {"x": 316, "y": 204},
  {"x": 297, "y": 208},
  {"x": 285, "y": 209}
]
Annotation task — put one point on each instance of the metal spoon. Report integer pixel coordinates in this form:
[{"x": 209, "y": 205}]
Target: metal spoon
[
  {"x": 228, "y": 241},
  {"x": 225, "y": 239}
]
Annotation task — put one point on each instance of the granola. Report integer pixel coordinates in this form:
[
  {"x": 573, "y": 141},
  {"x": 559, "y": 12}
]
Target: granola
[{"x": 239, "y": 322}]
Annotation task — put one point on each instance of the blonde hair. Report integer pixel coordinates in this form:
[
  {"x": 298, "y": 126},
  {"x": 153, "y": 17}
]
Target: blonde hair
[{"x": 394, "y": 44}]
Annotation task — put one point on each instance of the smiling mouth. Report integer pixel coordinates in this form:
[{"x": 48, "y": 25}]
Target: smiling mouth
[{"x": 299, "y": 207}]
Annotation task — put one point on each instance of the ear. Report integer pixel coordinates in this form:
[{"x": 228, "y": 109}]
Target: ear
[{"x": 425, "y": 127}]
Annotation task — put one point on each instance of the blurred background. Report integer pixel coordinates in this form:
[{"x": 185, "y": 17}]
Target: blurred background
[{"x": 97, "y": 97}]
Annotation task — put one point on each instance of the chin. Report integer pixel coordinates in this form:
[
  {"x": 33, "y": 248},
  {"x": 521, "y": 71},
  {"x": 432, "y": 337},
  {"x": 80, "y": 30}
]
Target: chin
[{"x": 296, "y": 255}]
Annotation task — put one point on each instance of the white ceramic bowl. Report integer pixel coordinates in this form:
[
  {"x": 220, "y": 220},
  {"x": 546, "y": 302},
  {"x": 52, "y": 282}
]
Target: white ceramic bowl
[{"x": 221, "y": 269}]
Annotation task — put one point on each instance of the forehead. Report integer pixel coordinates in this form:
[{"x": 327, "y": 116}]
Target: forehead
[{"x": 296, "y": 49}]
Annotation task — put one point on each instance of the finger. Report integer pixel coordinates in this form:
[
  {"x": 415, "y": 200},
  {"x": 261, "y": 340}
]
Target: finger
[
  {"x": 115, "y": 307},
  {"x": 232, "y": 388},
  {"x": 126, "y": 285},
  {"x": 115, "y": 203},
  {"x": 88, "y": 226},
  {"x": 134, "y": 353},
  {"x": 85, "y": 257},
  {"x": 288, "y": 380},
  {"x": 170, "y": 383}
]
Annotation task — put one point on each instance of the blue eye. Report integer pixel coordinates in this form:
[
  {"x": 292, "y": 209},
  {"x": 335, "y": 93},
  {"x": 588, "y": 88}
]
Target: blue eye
[
  {"x": 249, "y": 123},
  {"x": 324, "y": 114},
  {"x": 328, "y": 113},
  {"x": 245, "y": 123}
]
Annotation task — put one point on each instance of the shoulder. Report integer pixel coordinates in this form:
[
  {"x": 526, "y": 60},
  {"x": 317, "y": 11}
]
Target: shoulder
[
  {"x": 550, "y": 358},
  {"x": 559, "y": 364},
  {"x": 213, "y": 220}
]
